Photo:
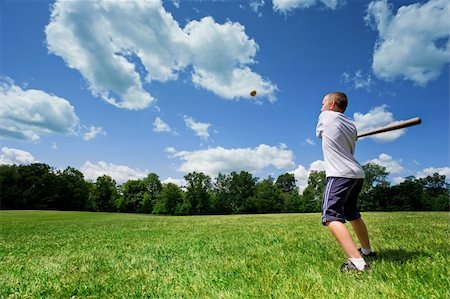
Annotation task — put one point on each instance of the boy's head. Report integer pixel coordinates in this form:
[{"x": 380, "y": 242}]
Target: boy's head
[{"x": 335, "y": 101}]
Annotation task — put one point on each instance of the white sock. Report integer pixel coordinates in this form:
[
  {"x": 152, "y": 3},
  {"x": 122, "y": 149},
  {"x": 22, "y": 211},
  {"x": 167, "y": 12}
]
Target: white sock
[
  {"x": 366, "y": 251},
  {"x": 358, "y": 262}
]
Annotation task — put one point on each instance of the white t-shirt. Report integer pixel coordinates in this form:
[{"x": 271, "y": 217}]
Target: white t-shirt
[{"x": 338, "y": 136}]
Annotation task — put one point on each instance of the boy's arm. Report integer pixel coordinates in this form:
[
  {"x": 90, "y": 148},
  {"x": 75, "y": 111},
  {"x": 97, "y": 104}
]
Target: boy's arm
[{"x": 319, "y": 127}]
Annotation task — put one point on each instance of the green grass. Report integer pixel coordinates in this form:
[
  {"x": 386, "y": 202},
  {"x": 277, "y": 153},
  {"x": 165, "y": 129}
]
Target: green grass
[{"x": 99, "y": 255}]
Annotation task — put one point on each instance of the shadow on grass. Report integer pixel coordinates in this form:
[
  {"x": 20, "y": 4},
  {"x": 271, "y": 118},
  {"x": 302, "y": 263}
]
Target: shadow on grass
[{"x": 400, "y": 255}]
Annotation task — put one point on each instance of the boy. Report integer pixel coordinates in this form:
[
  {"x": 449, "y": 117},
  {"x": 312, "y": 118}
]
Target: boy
[{"x": 344, "y": 181}]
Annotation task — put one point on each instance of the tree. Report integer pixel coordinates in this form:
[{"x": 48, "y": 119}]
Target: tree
[
  {"x": 198, "y": 192},
  {"x": 405, "y": 196},
  {"x": 436, "y": 193},
  {"x": 375, "y": 177},
  {"x": 220, "y": 198},
  {"x": 311, "y": 198},
  {"x": 381, "y": 197},
  {"x": 73, "y": 191},
  {"x": 39, "y": 187},
  {"x": 290, "y": 196},
  {"x": 242, "y": 187},
  {"x": 153, "y": 187},
  {"x": 267, "y": 198},
  {"x": 104, "y": 193},
  {"x": 291, "y": 202},
  {"x": 168, "y": 200},
  {"x": 287, "y": 182},
  {"x": 10, "y": 191},
  {"x": 132, "y": 197}
]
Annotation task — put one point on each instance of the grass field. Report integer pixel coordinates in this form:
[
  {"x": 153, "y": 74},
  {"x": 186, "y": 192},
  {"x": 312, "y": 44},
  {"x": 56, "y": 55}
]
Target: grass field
[{"x": 100, "y": 255}]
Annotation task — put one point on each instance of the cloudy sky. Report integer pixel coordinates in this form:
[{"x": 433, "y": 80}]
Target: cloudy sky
[{"x": 125, "y": 88}]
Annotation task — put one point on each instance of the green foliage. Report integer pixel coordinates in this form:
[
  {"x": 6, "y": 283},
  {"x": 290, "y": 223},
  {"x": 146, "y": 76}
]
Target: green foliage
[
  {"x": 290, "y": 197},
  {"x": 38, "y": 186},
  {"x": 375, "y": 179},
  {"x": 311, "y": 200},
  {"x": 233, "y": 193},
  {"x": 291, "y": 202},
  {"x": 287, "y": 183},
  {"x": 241, "y": 188},
  {"x": 198, "y": 193},
  {"x": 153, "y": 187},
  {"x": 405, "y": 196},
  {"x": 221, "y": 197},
  {"x": 104, "y": 194},
  {"x": 11, "y": 196},
  {"x": 169, "y": 199},
  {"x": 267, "y": 198},
  {"x": 436, "y": 195},
  {"x": 74, "y": 190},
  {"x": 140, "y": 195},
  {"x": 132, "y": 197},
  {"x": 183, "y": 208},
  {"x": 50, "y": 254}
]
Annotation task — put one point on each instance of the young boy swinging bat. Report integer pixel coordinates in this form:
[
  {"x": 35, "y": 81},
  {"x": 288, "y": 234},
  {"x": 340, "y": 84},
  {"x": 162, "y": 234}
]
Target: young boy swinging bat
[{"x": 344, "y": 181}]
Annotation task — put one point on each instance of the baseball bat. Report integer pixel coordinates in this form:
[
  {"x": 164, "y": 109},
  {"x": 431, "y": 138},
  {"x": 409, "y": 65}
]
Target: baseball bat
[{"x": 396, "y": 126}]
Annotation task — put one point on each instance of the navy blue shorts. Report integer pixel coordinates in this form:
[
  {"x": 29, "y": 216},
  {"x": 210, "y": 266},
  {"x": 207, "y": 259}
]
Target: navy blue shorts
[{"x": 340, "y": 199}]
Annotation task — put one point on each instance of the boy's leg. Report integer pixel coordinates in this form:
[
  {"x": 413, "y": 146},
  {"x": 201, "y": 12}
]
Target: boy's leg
[
  {"x": 336, "y": 195},
  {"x": 360, "y": 229},
  {"x": 343, "y": 237}
]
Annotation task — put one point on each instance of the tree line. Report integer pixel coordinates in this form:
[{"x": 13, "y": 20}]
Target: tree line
[{"x": 39, "y": 186}]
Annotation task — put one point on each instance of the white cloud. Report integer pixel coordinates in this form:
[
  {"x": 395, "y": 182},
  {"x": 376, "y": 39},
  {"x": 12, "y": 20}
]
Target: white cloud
[
  {"x": 302, "y": 174},
  {"x": 176, "y": 3},
  {"x": 220, "y": 55},
  {"x": 118, "y": 46},
  {"x": 256, "y": 6},
  {"x": 29, "y": 114},
  {"x": 200, "y": 129},
  {"x": 178, "y": 182},
  {"x": 432, "y": 170},
  {"x": 120, "y": 173},
  {"x": 287, "y": 5},
  {"x": 214, "y": 160},
  {"x": 397, "y": 180},
  {"x": 310, "y": 141},
  {"x": 357, "y": 81},
  {"x": 391, "y": 165},
  {"x": 413, "y": 44},
  {"x": 318, "y": 165},
  {"x": 170, "y": 150},
  {"x": 10, "y": 156},
  {"x": 376, "y": 118},
  {"x": 93, "y": 132},
  {"x": 161, "y": 127}
]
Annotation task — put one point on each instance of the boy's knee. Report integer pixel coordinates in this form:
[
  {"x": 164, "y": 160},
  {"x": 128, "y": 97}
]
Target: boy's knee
[{"x": 327, "y": 223}]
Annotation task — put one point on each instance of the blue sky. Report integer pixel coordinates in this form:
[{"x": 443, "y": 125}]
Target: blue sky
[{"x": 125, "y": 88}]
